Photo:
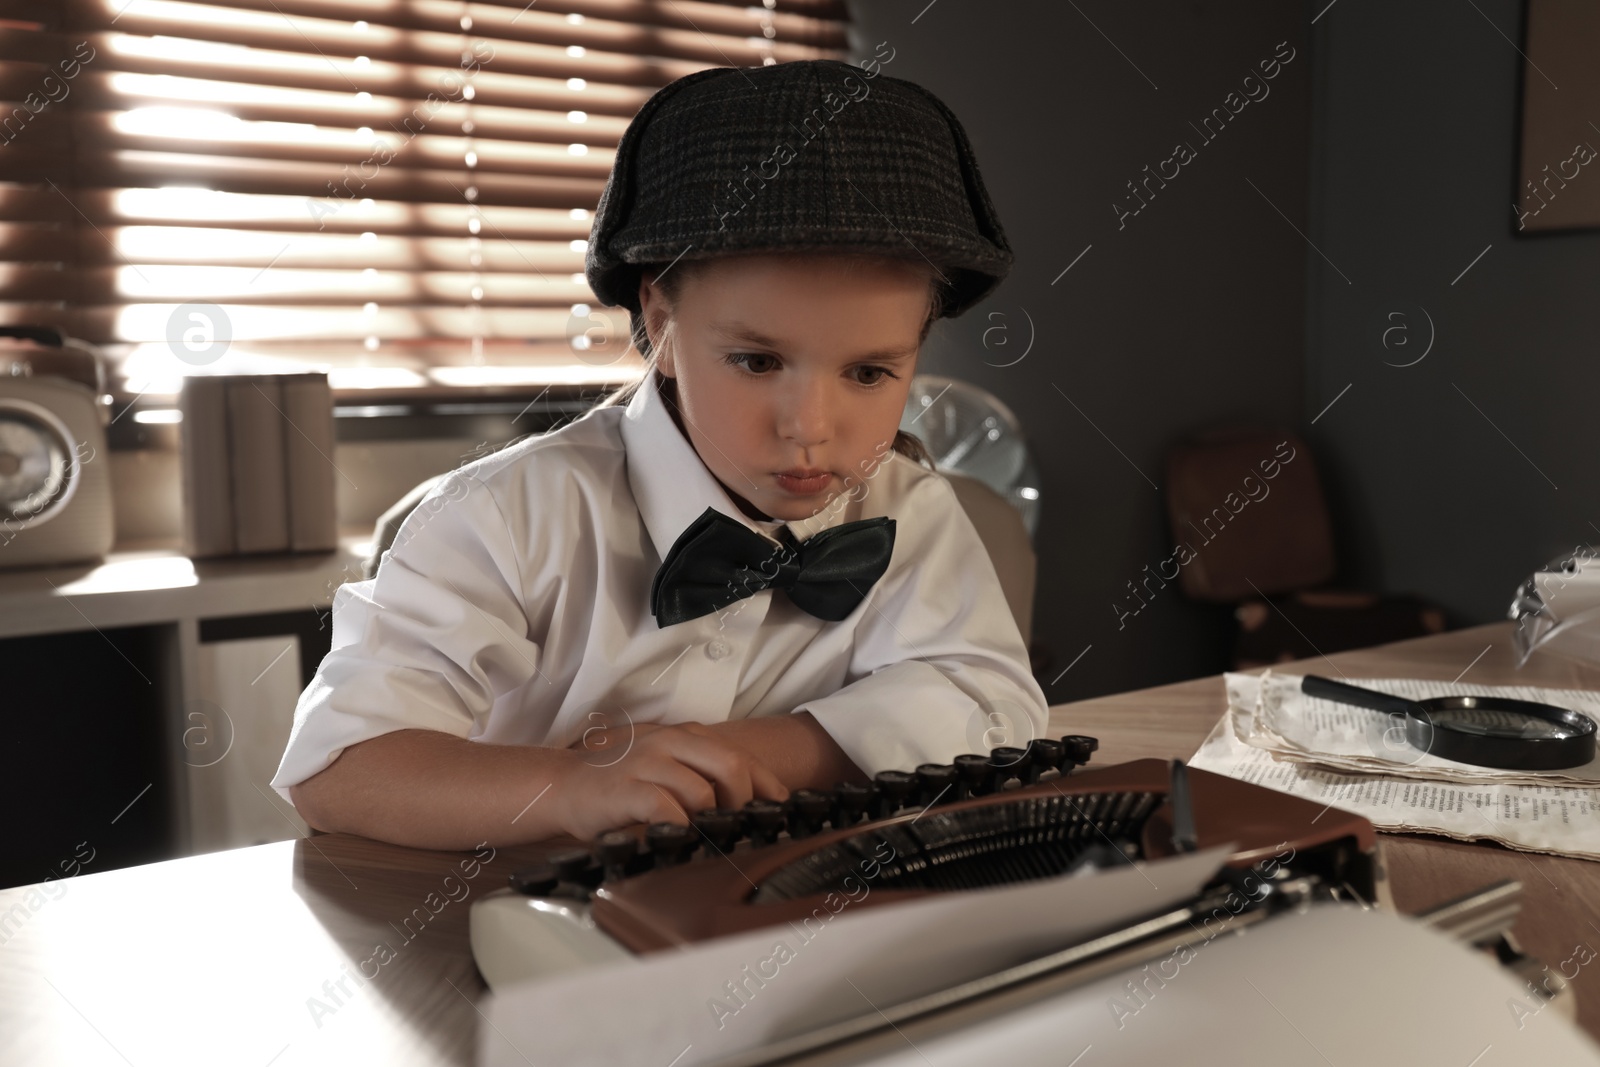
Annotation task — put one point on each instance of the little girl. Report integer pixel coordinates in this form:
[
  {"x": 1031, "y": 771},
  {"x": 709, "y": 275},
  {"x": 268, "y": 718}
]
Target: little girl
[{"x": 736, "y": 577}]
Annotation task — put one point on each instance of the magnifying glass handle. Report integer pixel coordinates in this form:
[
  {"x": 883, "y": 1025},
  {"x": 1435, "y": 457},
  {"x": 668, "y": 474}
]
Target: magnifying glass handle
[{"x": 1328, "y": 689}]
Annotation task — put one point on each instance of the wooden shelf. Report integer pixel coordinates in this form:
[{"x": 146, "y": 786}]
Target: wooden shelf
[
  {"x": 145, "y": 607},
  {"x": 152, "y": 582}
]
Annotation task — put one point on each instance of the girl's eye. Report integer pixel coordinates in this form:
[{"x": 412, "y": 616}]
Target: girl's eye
[
  {"x": 764, "y": 363},
  {"x": 737, "y": 359},
  {"x": 883, "y": 373}
]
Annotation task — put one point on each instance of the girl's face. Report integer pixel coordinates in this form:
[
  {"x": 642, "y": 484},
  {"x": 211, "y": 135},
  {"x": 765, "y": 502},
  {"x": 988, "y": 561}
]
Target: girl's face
[{"x": 789, "y": 366}]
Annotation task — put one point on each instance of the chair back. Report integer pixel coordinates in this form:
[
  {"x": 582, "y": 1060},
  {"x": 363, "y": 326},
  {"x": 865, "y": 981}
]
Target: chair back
[{"x": 1248, "y": 506}]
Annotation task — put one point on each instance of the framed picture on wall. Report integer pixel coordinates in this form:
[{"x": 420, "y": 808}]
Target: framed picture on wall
[{"x": 1558, "y": 150}]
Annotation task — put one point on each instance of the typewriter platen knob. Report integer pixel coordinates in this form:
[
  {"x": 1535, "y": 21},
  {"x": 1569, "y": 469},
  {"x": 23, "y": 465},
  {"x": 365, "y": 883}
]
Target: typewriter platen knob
[
  {"x": 936, "y": 783},
  {"x": 850, "y": 802},
  {"x": 719, "y": 826},
  {"x": 614, "y": 849},
  {"x": 763, "y": 820},
  {"x": 974, "y": 776},
  {"x": 670, "y": 843},
  {"x": 894, "y": 790},
  {"x": 808, "y": 810}
]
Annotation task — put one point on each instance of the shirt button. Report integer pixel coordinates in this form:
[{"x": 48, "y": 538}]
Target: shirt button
[{"x": 718, "y": 648}]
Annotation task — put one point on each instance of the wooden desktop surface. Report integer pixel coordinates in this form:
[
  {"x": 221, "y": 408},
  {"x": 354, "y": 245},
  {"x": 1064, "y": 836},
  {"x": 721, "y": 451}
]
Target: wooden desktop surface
[{"x": 238, "y": 957}]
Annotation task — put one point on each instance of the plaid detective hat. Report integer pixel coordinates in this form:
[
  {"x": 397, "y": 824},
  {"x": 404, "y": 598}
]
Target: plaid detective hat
[{"x": 811, "y": 155}]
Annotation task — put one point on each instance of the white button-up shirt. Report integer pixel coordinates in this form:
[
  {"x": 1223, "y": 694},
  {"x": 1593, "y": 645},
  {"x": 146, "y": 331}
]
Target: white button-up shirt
[{"x": 514, "y": 607}]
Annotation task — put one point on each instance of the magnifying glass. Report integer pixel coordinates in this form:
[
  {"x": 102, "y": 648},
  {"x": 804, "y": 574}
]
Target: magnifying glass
[{"x": 1521, "y": 735}]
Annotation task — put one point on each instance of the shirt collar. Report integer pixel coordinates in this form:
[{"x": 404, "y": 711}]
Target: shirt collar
[{"x": 672, "y": 485}]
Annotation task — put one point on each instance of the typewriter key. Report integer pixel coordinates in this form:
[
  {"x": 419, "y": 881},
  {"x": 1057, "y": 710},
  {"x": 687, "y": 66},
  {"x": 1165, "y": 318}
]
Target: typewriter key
[
  {"x": 537, "y": 880},
  {"x": 720, "y": 827},
  {"x": 974, "y": 774},
  {"x": 614, "y": 849},
  {"x": 1080, "y": 748},
  {"x": 670, "y": 843},
  {"x": 808, "y": 810},
  {"x": 936, "y": 783},
  {"x": 1031, "y": 765},
  {"x": 763, "y": 821},
  {"x": 894, "y": 791},
  {"x": 850, "y": 803},
  {"x": 575, "y": 871},
  {"x": 1048, "y": 756},
  {"x": 1009, "y": 763}
]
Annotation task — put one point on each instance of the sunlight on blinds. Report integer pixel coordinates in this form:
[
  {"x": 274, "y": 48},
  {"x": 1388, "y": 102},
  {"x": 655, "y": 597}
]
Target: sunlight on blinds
[{"x": 398, "y": 193}]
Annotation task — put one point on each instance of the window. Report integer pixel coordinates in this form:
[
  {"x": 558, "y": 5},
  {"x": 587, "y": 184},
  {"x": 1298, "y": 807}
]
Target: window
[{"x": 396, "y": 191}]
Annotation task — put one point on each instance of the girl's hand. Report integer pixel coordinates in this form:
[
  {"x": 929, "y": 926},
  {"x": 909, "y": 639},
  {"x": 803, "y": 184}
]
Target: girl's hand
[{"x": 650, "y": 772}]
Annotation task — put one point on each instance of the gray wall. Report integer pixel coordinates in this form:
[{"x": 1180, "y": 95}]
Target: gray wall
[
  {"x": 1459, "y": 475},
  {"x": 1190, "y": 314}
]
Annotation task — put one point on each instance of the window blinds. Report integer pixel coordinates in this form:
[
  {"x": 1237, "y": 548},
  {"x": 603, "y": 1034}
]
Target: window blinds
[{"x": 396, "y": 191}]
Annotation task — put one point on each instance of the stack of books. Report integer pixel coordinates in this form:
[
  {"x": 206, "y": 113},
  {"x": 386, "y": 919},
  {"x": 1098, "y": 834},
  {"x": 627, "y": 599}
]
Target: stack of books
[{"x": 258, "y": 473}]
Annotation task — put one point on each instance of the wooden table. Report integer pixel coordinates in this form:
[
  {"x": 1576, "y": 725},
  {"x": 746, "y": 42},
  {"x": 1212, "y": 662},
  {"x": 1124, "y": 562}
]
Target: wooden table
[{"x": 237, "y": 957}]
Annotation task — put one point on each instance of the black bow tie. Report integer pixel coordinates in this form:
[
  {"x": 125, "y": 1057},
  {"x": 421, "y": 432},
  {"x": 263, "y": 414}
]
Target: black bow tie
[{"x": 719, "y": 560}]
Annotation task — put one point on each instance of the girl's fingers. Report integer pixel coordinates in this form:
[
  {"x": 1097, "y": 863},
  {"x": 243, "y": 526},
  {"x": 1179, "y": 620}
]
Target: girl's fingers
[
  {"x": 766, "y": 784},
  {"x": 666, "y": 777},
  {"x": 675, "y": 783},
  {"x": 714, "y": 764},
  {"x": 740, "y": 792},
  {"x": 738, "y": 776},
  {"x": 648, "y": 802}
]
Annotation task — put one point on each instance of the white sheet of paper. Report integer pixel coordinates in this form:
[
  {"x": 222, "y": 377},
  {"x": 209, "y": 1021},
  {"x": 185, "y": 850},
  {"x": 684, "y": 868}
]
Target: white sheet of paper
[
  {"x": 721, "y": 997},
  {"x": 1314, "y": 988}
]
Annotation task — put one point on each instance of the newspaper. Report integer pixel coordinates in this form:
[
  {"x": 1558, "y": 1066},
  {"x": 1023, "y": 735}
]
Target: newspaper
[
  {"x": 1298, "y": 726},
  {"x": 1558, "y": 819}
]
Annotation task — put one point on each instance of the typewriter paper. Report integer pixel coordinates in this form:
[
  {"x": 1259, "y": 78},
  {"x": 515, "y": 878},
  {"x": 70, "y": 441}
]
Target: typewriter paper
[
  {"x": 1559, "y": 819},
  {"x": 1330, "y": 985},
  {"x": 711, "y": 1001},
  {"x": 1298, "y": 726}
]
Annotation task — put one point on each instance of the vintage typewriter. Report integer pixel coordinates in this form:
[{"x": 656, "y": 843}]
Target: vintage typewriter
[{"x": 1013, "y": 815}]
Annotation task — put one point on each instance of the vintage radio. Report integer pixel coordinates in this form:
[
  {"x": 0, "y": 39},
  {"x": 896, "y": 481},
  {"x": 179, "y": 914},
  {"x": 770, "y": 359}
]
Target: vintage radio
[{"x": 55, "y": 475}]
